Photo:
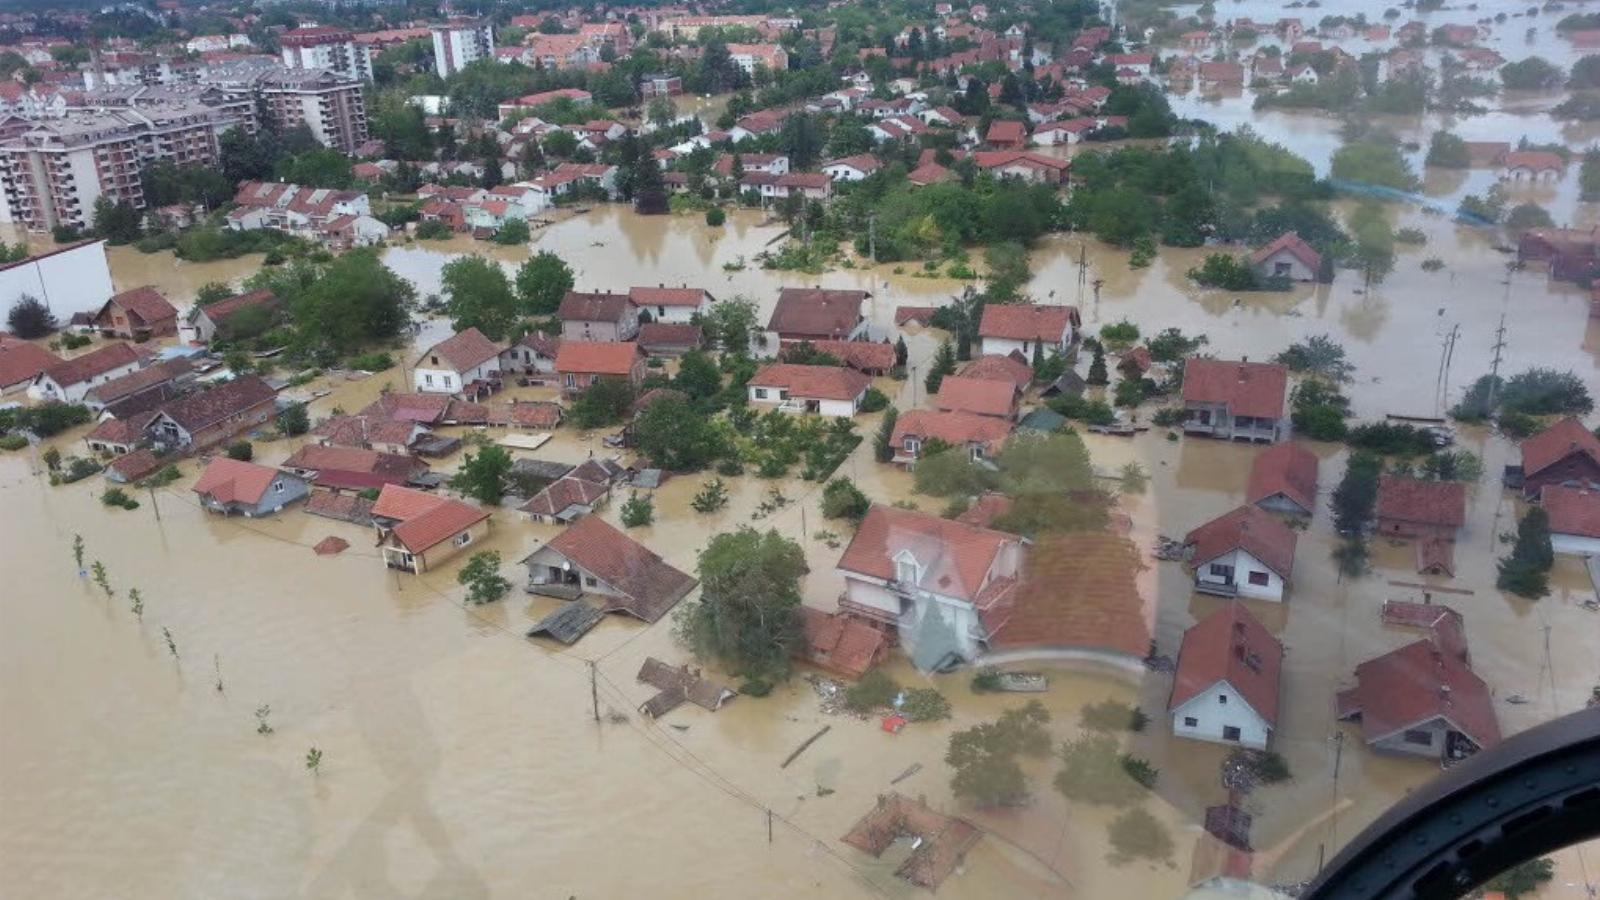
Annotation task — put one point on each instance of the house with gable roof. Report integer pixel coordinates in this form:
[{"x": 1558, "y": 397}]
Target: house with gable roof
[
  {"x": 1235, "y": 400},
  {"x": 464, "y": 363},
  {"x": 824, "y": 390},
  {"x": 1564, "y": 453},
  {"x": 70, "y": 380},
  {"x": 229, "y": 486},
  {"x": 1287, "y": 256},
  {"x": 1283, "y": 479},
  {"x": 592, "y": 557},
  {"x": 139, "y": 314},
  {"x": 942, "y": 581},
  {"x": 1022, "y": 326},
  {"x": 1247, "y": 552},
  {"x": 419, "y": 531},
  {"x": 1225, "y": 689}
]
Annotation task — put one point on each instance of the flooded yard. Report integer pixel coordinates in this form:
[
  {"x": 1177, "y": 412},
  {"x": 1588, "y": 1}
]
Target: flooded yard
[{"x": 463, "y": 760}]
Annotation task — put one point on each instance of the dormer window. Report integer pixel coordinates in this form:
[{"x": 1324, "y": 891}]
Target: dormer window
[{"x": 906, "y": 569}]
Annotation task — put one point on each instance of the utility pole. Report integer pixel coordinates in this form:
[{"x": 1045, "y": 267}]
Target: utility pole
[
  {"x": 1494, "y": 367},
  {"x": 1442, "y": 383},
  {"x": 153, "y": 504},
  {"x": 872, "y": 238},
  {"x": 769, "y": 826},
  {"x": 594, "y": 692}
]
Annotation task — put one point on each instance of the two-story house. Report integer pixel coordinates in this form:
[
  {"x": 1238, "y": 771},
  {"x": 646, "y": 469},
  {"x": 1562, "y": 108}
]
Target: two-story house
[
  {"x": 1235, "y": 400},
  {"x": 600, "y": 316},
  {"x": 204, "y": 419},
  {"x": 580, "y": 364},
  {"x": 938, "y": 581},
  {"x": 459, "y": 364}
]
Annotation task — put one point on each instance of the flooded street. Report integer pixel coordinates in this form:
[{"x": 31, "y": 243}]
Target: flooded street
[{"x": 463, "y": 760}]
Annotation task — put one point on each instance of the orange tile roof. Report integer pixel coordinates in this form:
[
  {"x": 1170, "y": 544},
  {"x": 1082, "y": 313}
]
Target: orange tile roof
[
  {"x": 1571, "y": 510},
  {"x": 648, "y": 584},
  {"x": 465, "y": 350},
  {"x": 228, "y": 480},
  {"x": 1026, "y": 321},
  {"x": 1230, "y": 645},
  {"x": 955, "y": 557},
  {"x": 20, "y": 361},
  {"x": 1246, "y": 388},
  {"x": 1556, "y": 443},
  {"x": 436, "y": 525},
  {"x": 955, "y": 428},
  {"x": 1425, "y": 502},
  {"x": 817, "y": 312},
  {"x": 145, "y": 303},
  {"x": 1297, "y": 248},
  {"x": 1288, "y": 469},
  {"x": 843, "y": 643},
  {"x": 976, "y": 395},
  {"x": 1080, "y": 592},
  {"x": 396, "y": 502},
  {"x": 596, "y": 357},
  {"x": 1010, "y": 367},
  {"x": 96, "y": 362},
  {"x": 1248, "y": 528},
  {"x": 819, "y": 382}
]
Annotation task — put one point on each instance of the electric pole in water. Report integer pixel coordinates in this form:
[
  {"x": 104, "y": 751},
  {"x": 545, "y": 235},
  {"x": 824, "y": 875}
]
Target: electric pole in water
[
  {"x": 1494, "y": 366},
  {"x": 594, "y": 692},
  {"x": 872, "y": 238}
]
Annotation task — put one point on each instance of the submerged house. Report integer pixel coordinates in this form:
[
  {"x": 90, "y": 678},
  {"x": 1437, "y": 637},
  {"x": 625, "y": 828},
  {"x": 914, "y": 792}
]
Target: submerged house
[
  {"x": 943, "y": 581},
  {"x": 1287, "y": 256},
  {"x": 1283, "y": 479},
  {"x": 981, "y": 437},
  {"x": 1026, "y": 327},
  {"x": 1422, "y": 699},
  {"x": 676, "y": 685},
  {"x": 824, "y": 390},
  {"x": 818, "y": 314},
  {"x": 1574, "y": 519},
  {"x": 1565, "y": 453},
  {"x": 466, "y": 363},
  {"x": 1226, "y": 687},
  {"x": 1235, "y": 400},
  {"x": 1244, "y": 553},
  {"x": 1420, "y": 509},
  {"x": 592, "y": 557},
  {"x": 139, "y": 314},
  {"x": 230, "y": 487},
  {"x": 576, "y": 493},
  {"x": 69, "y": 381},
  {"x": 419, "y": 531},
  {"x": 214, "y": 416}
]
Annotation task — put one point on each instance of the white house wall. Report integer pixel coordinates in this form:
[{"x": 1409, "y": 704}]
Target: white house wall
[
  {"x": 1216, "y": 708},
  {"x": 1243, "y": 564},
  {"x": 1575, "y": 545},
  {"x": 72, "y": 281}
]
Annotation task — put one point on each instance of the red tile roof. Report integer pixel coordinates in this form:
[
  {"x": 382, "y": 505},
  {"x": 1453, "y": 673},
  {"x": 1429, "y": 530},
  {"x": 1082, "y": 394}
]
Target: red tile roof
[
  {"x": 994, "y": 367},
  {"x": 406, "y": 407},
  {"x": 649, "y": 585},
  {"x": 20, "y": 361},
  {"x": 1248, "y": 528},
  {"x": 222, "y": 310},
  {"x": 146, "y": 304},
  {"x": 929, "y": 173},
  {"x": 1007, "y": 131},
  {"x": 842, "y": 643},
  {"x": 812, "y": 382},
  {"x": 989, "y": 506},
  {"x": 667, "y": 296},
  {"x": 364, "y": 431},
  {"x": 231, "y": 481},
  {"x": 1288, "y": 469},
  {"x": 864, "y": 356},
  {"x": 1297, "y": 248},
  {"x": 1556, "y": 443},
  {"x": 1415, "y": 685},
  {"x": 1230, "y": 645},
  {"x": 816, "y": 312},
  {"x": 205, "y": 408},
  {"x": 600, "y": 306},
  {"x": 955, "y": 557},
  {"x": 954, "y": 428},
  {"x": 535, "y": 414},
  {"x": 1026, "y": 321},
  {"x": 465, "y": 350},
  {"x": 443, "y": 521},
  {"x": 136, "y": 464},
  {"x": 564, "y": 492},
  {"x": 120, "y": 431},
  {"x": 596, "y": 357},
  {"x": 140, "y": 379},
  {"x": 401, "y": 503},
  {"x": 1080, "y": 592},
  {"x": 1246, "y": 388},
  {"x": 1538, "y": 160},
  {"x": 976, "y": 395},
  {"x": 669, "y": 334},
  {"x": 92, "y": 364},
  {"x": 1571, "y": 510},
  {"x": 1420, "y": 501}
]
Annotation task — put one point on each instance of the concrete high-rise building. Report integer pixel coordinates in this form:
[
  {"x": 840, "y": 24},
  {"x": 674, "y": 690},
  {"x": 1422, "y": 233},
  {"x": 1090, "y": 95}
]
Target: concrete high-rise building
[
  {"x": 54, "y": 172},
  {"x": 330, "y": 105},
  {"x": 461, "y": 42},
  {"x": 333, "y": 49}
]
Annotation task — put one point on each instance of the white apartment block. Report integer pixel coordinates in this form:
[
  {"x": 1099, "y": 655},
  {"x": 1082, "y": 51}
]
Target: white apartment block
[
  {"x": 329, "y": 104},
  {"x": 54, "y": 172},
  {"x": 333, "y": 49},
  {"x": 461, "y": 42}
]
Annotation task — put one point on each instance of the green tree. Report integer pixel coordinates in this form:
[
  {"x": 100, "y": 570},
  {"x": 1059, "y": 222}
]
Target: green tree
[
  {"x": 698, "y": 376},
  {"x": 541, "y": 283},
  {"x": 483, "y": 474},
  {"x": 482, "y": 579},
  {"x": 748, "y": 615},
  {"x": 1320, "y": 356},
  {"x": 117, "y": 222},
  {"x": 1092, "y": 771},
  {"x": 1374, "y": 160},
  {"x": 1097, "y": 368},
  {"x": 841, "y": 499},
  {"x": 29, "y": 318},
  {"x": 1532, "y": 74},
  {"x": 638, "y": 511},
  {"x": 882, "y": 443},
  {"x": 1136, "y": 834},
  {"x": 241, "y": 451},
  {"x": 1008, "y": 271},
  {"x": 984, "y": 757},
  {"x": 1524, "y": 572},
  {"x": 674, "y": 436},
  {"x": 712, "y": 496},
  {"x": 211, "y": 292},
  {"x": 321, "y": 168},
  {"x": 1527, "y": 216},
  {"x": 606, "y": 402},
  {"x": 294, "y": 421},
  {"x": 948, "y": 472},
  {"x": 1356, "y": 496},
  {"x": 944, "y": 363},
  {"x": 512, "y": 232},
  {"x": 480, "y": 296},
  {"x": 730, "y": 324},
  {"x": 1447, "y": 151},
  {"x": 1589, "y": 175}
]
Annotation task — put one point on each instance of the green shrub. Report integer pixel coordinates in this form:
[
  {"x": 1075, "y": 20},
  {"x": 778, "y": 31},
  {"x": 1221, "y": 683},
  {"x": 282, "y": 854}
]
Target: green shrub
[
  {"x": 715, "y": 217},
  {"x": 873, "y": 690},
  {"x": 167, "y": 475},
  {"x": 241, "y": 450},
  {"x": 841, "y": 499},
  {"x": 925, "y": 705},
  {"x": 986, "y": 681},
  {"x": 376, "y": 361},
  {"x": 874, "y": 400},
  {"x": 1140, "y": 770},
  {"x": 116, "y": 496},
  {"x": 1121, "y": 333},
  {"x": 753, "y": 685},
  {"x": 12, "y": 441},
  {"x": 433, "y": 230},
  {"x": 638, "y": 511}
]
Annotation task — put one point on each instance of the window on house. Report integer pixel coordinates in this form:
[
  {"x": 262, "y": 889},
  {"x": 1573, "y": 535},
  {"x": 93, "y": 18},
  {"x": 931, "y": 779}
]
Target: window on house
[
  {"x": 277, "y": 486},
  {"x": 572, "y": 380},
  {"x": 1281, "y": 269},
  {"x": 761, "y": 393},
  {"x": 1419, "y": 737},
  {"x": 912, "y": 445},
  {"x": 448, "y": 381},
  {"x": 463, "y": 539},
  {"x": 1222, "y": 699},
  {"x": 433, "y": 360},
  {"x": 906, "y": 570},
  {"x": 1230, "y": 732},
  {"x": 1222, "y": 570},
  {"x": 1259, "y": 579},
  {"x": 1191, "y": 722},
  {"x": 590, "y": 580}
]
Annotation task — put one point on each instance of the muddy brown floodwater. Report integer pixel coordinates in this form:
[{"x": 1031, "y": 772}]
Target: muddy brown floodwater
[{"x": 461, "y": 760}]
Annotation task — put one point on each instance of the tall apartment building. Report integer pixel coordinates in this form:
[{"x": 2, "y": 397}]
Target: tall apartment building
[
  {"x": 333, "y": 49},
  {"x": 53, "y": 173},
  {"x": 330, "y": 105},
  {"x": 461, "y": 42}
]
